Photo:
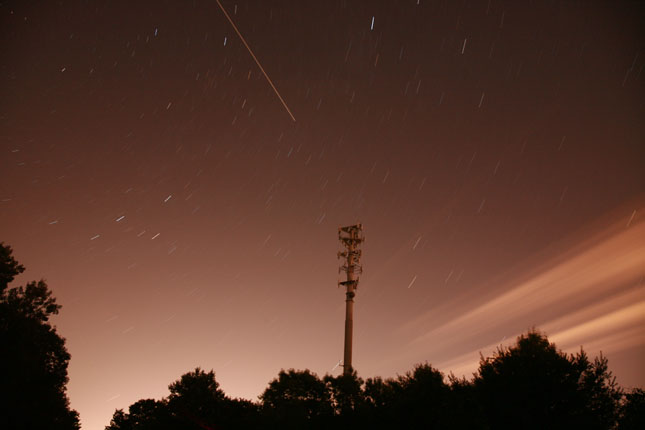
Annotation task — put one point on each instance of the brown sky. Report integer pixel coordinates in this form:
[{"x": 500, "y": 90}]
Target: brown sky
[{"x": 493, "y": 151}]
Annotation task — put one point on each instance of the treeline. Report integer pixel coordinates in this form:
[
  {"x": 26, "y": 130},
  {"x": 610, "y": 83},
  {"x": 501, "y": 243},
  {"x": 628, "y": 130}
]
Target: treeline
[{"x": 530, "y": 385}]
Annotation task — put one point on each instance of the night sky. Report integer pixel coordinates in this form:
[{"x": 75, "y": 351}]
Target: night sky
[{"x": 493, "y": 151}]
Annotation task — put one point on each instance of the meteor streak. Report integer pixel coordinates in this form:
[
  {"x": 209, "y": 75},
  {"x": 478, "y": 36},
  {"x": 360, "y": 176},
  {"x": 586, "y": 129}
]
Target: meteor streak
[{"x": 256, "y": 60}]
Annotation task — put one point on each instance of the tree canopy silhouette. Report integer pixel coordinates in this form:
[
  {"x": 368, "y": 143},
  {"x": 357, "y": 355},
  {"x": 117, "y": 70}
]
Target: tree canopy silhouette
[
  {"x": 418, "y": 398},
  {"x": 145, "y": 414},
  {"x": 533, "y": 385},
  {"x": 195, "y": 402},
  {"x": 347, "y": 398},
  {"x": 528, "y": 385},
  {"x": 296, "y": 399},
  {"x": 34, "y": 357},
  {"x": 632, "y": 410}
]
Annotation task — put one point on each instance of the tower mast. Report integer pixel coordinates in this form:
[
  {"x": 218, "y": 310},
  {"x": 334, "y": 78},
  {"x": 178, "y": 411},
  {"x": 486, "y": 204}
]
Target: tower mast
[{"x": 350, "y": 238}]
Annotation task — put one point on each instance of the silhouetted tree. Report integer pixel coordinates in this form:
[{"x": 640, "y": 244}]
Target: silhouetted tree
[
  {"x": 34, "y": 357},
  {"x": 381, "y": 400},
  {"x": 145, "y": 414},
  {"x": 297, "y": 399},
  {"x": 632, "y": 411},
  {"x": 465, "y": 411},
  {"x": 532, "y": 385},
  {"x": 242, "y": 414},
  {"x": 195, "y": 402},
  {"x": 424, "y": 399},
  {"x": 600, "y": 393},
  {"x": 9, "y": 267},
  {"x": 347, "y": 399},
  {"x": 196, "y": 399},
  {"x": 416, "y": 400}
]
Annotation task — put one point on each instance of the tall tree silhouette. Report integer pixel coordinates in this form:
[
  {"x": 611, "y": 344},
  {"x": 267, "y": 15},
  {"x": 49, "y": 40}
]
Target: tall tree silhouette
[
  {"x": 418, "y": 399},
  {"x": 426, "y": 396},
  {"x": 34, "y": 358},
  {"x": 196, "y": 401},
  {"x": 532, "y": 385},
  {"x": 600, "y": 393},
  {"x": 297, "y": 399},
  {"x": 347, "y": 399}
]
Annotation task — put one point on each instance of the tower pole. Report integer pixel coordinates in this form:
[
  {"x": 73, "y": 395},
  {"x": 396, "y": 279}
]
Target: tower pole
[{"x": 350, "y": 237}]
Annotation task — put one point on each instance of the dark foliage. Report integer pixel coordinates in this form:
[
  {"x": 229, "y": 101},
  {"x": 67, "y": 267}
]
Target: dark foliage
[
  {"x": 420, "y": 398},
  {"x": 195, "y": 402},
  {"x": 296, "y": 399},
  {"x": 600, "y": 394},
  {"x": 347, "y": 399},
  {"x": 632, "y": 411},
  {"x": 530, "y": 385},
  {"x": 465, "y": 410},
  {"x": 143, "y": 415},
  {"x": 34, "y": 357},
  {"x": 9, "y": 267}
]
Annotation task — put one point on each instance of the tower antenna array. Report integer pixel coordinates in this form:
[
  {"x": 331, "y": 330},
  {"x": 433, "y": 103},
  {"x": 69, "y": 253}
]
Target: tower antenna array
[{"x": 350, "y": 238}]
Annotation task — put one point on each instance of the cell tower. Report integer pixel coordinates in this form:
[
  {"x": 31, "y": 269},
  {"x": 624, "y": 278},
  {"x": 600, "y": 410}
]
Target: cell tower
[{"x": 350, "y": 238}]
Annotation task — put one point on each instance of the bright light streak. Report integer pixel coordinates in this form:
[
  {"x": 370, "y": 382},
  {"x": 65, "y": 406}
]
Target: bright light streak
[
  {"x": 617, "y": 260},
  {"x": 612, "y": 331},
  {"x": 256, "y": 61},
  {"x": 592, "y": 297}
]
